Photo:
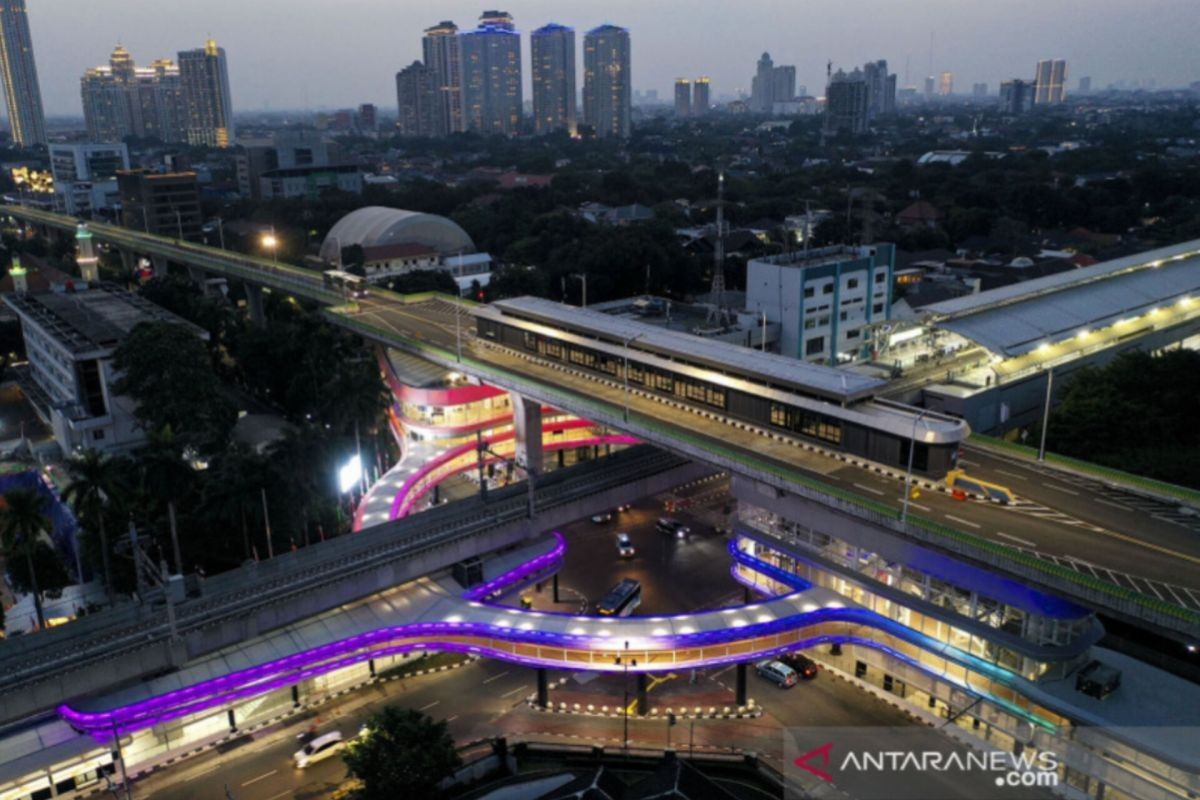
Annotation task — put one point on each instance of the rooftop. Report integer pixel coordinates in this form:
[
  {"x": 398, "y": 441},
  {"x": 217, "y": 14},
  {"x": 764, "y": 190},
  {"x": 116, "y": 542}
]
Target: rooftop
[{"x": 96, "y": 318}]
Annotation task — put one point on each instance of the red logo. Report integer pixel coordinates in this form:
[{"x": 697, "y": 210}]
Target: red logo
[{"x": 823, "y": 752}]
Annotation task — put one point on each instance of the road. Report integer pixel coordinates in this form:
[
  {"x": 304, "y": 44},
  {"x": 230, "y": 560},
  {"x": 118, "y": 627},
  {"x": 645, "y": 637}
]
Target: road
[{"x": 1074, "y": 523}]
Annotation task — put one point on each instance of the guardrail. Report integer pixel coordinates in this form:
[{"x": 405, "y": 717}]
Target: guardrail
[
  {"x": 1181, "y": 493},
  {"x": 109, "y": 634},
  {"x": 1135, "y": 603}
]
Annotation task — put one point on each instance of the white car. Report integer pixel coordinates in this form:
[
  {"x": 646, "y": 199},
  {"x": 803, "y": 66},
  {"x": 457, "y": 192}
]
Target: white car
[
  {"x": 319, "y": 749},
  {"x": 624, "y": 546},
  {"x": 602, "y": 518}
]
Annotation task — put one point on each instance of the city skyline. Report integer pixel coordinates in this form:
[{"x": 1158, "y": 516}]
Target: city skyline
[{"x": 1107, "y": 41}]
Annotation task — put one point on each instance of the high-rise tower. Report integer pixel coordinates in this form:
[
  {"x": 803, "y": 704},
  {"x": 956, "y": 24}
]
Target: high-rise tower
[
  {"x": 416, "y": 101},
  {"x": 491, "y": 75},
  {"x": 443, "y": 59},
  {"x": 700, "y": 97},
  {"x": 204, "y": 74},
  {"x": 19, "y": 73},
  {"x": 683, "y": 97},
  {"x": 607, "y": 82},
  {"x": 552, "y": 48},
  {"x": 1049, "y": 85}
]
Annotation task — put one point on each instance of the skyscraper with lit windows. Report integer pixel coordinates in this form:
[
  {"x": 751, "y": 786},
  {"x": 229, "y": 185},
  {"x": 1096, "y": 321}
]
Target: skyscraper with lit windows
[
  {"x": 443, "y": 59},
  {"x": 491, "y": 75},
  {"x": 700, "y": 97},
  {"x": 552, "y": 50},
  {"x": 1050, "y": 82},
  {"x": 204, "y": 74},
  {"x": 683, "y": 97},
  {"x": 607, "y": 84},
  {"x": 19, "y": 73}
]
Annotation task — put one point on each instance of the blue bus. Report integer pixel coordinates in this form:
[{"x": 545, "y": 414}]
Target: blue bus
[{"x": 621, "y": 600}]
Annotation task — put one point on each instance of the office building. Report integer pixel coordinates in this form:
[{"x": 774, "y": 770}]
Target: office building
[
  {"x": 121, "y": 99},
  {"x": 443, "y": 59},
  {"x": 1016, "y": 96},
  {"x": 208, "y": 105},
  {"x": 19, "y": 72},
  {"x": 607, "y": 89},
  {"x": 1085, "y": 84},
  {"x": 847, "y": 100},
  {"x": 881, "y": 88},
  {"x": 1050, "y": 83},
  {"x": 491, "y": 75},
  {"x": 70, "y": 337},
  {"x": 164, "y": 203},
  {"x": 929, "y": 84},
  {"x": 310, "y": 182},
  {"x": 279, "y": 166},
  {"x": 701, "y": 102},
  {"x": 946, "y": 84},
  {"x": 979, "y": 91},
  {"x": 417, "y": 101},
  {"x": 825, "y": 299},
  {"x": 771, "y": 84},
  {"x": 85, "y": 177},
  {"x": 683, "y": 97},
  {"x": 367, "y": 119},
  {"x": 552, "y": 51}
]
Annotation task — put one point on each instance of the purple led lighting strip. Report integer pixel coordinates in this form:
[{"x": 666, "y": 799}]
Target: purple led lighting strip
[{"x": 447, "y": 636}]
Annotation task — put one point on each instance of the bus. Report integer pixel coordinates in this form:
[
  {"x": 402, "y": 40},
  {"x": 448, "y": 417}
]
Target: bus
[
  {"x": 346, "y": 283},
  {"x": 621, "y": 600}
]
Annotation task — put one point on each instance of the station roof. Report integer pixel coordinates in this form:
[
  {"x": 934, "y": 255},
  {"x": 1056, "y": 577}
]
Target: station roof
[
  {"x": 791, "y": 373},
  {"x": 1013, "y": 320}
]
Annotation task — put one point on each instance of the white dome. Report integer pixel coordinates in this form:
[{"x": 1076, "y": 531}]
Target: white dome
[{"x": 379, "y": 225}]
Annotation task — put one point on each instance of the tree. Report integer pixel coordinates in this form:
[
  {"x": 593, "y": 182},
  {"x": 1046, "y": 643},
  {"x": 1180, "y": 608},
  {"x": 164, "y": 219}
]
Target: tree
[
  {"x": 94, "y": 483},
  {"x": 165, "y": 368},
  {"x": 233, "y": 490},
  {"x": 403, "y": 753},
  {"x": 23, "y": 523}
]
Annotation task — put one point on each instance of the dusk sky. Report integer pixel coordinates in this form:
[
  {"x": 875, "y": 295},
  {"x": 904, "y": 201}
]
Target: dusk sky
[{"x": 286, "y": 54}]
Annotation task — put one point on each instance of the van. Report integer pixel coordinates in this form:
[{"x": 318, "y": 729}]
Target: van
[
  {"x": 777, "y": 672},
  {"x": 319, "y": 749}
]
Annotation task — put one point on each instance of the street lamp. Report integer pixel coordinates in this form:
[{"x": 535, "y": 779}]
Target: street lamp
[
  {"x": 627, "y": 662},
  {"x": 625, "y": 372},
  {"x": 912, "y": 446},
  {"x": 1046, "y": 414},
  {"x": 271, "y": 241}
]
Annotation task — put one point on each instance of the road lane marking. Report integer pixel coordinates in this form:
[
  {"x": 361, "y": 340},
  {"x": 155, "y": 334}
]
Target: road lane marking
[
  {"x": 1114, "y": 505},
  {"x": 288, "y": 793},
  {"x": 911, "y": 504},
  {"x": 514, "y": 691},
  {"x": 868, "y": 489},
  {"x": 213, "y": 768},
  {"x": 964, "y": 521},
  {"x": 496, "y": 677},
  {"x": 451, "y": 719},
  {"x": 968, "y": 463},
  {"x": 1017, "y": 539},
  {"x": 262, "y": 777},
  {"x": 1012, "y": 475},
  {"x": 1060, "y": 489},
  {"x": 431, "y": 705}
]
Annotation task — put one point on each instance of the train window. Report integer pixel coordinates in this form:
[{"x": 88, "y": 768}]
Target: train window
[
  {"x": 554, "y": 349},
  {"x": 636, "y": 374},
  {"x": 608, "y": 365},
  {"x": 584, "y": 357},
  {"x": 530, "y": 341},
  {"x": 663, "y": 382}
]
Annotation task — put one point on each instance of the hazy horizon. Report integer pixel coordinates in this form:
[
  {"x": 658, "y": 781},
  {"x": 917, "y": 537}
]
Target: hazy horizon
[{"x": 297, "y": 54}]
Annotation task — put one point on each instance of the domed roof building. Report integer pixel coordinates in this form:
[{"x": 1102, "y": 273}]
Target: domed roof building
[{"x": 377, "y": 226}]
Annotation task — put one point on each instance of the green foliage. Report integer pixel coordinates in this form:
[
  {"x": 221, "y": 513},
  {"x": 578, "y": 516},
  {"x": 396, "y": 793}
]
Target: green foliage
[
  {"x": 23, "y": 525},
  {"x": 403, "y": 753},
  {"x": 424, "y": 280},
  {"x": 166, "y": 370},
  {"x": 1137, "y": 414}
]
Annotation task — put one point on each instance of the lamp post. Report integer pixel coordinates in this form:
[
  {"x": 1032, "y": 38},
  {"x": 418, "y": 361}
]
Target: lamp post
[
  {"x": 272, "y": 242},
  {"x": 626, "y": 662},
  {"x": 1046, "y": 414},
  {"x": 764, "y": 332},
  {"x": 912, "y": 446},
  {"x": 625, "y": 372}
]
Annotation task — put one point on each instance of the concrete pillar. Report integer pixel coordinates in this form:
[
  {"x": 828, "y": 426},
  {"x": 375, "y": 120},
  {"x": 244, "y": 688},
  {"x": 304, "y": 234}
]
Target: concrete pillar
[
  {"x": 543, "y": 690},
  {"x": 643, "y": 690},
  {"x": 254, "y": 305},
  {"x": 198, "y": 277},
  {"x": 85, "y": 254},
  {"x": 740, "y": 700},
  {"x": 160, "y": 266},
  {"x": 527, "y": 422}
]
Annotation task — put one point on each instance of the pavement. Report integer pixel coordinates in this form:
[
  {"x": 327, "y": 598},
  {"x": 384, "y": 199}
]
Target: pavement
[{"x": 1061, "y": 521}]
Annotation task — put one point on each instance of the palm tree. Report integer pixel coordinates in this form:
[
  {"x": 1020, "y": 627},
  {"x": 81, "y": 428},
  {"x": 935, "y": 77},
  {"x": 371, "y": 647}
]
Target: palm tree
[
  {"x": 300, "y": 457},
  {"x": 94, "y": 484},
  {"x": 23, "y": 522},
  {"x": 232, "y": 491},
  {"x": 166, "y": 477}
]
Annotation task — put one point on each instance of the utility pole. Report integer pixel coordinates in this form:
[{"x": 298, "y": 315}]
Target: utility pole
[
  {"x": 1046, "y": 414},
  {"x": 121, "y": 761},
  {"x": 267, "y": 522},
  {"x": 174, "y": 538}
]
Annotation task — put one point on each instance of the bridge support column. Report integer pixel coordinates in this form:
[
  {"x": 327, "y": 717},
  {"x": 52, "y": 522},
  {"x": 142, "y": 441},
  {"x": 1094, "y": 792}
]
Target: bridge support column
[
  {"x": 160, "y": 266},
  {"x": 527, "y": 421},
  {"x": 197, "y": 276},
  {"x": 543, "y": 690},
  {"x": 740, "y": 699},
  {"x": 643, "y": 691},
  {"x": 254, "y": 305}
]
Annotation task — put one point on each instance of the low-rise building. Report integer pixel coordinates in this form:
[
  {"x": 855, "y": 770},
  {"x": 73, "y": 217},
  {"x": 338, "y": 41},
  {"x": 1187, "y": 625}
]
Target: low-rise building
[
  {"x": 310, "y": 181},
  {"x": 70, "y": 337},
  {"x": 85, "y": 176}
]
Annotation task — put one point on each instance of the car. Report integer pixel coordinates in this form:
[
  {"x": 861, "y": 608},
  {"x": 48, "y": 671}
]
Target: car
[
  {"x": 804, "y": 666},
  {"x": 669, "y": 525},
  {"x": 777, "y": 672},
  {"x": 603, "y": 517},
  {"x": 624, "y": 545},
  {"x": 319, "y": 749},
  {"x": 621, "y": 509}
]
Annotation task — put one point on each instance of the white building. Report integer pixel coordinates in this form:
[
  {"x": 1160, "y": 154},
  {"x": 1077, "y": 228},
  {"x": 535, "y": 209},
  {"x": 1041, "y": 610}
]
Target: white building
[
  {"x": 824, "y": 300},
  {"x": 70, "y": 337},
  {"x": 85, "y": 176}
]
